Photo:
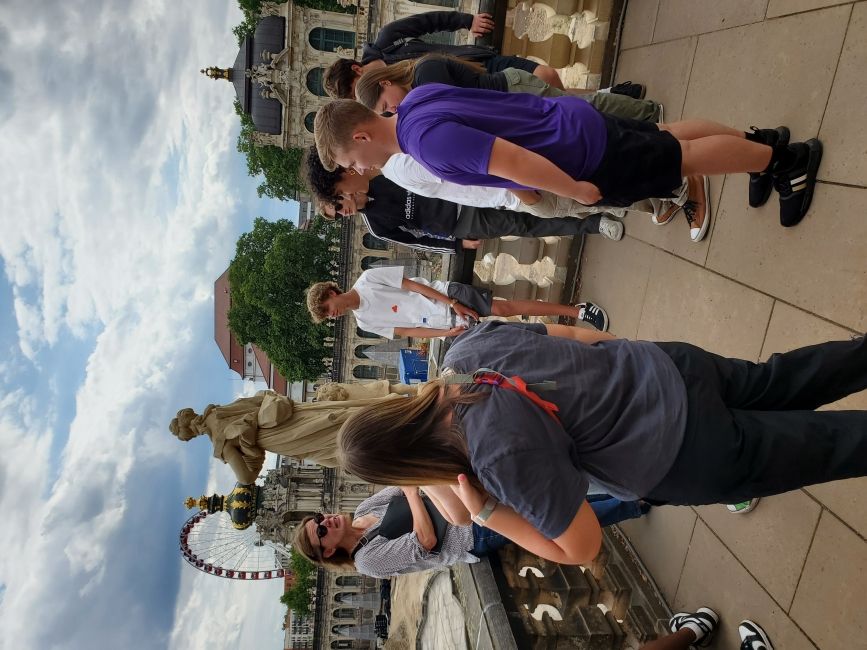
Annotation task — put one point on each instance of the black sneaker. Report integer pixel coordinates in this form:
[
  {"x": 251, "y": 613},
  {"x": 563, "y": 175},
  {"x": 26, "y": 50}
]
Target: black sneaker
[
  {"x": 593, "y": 314},
  {"x": 636, "y": 91},
  {"x": 761, "y": 183},
  {"x": 795, "y": 185},
  {"x": 705, "y": 619},
  {"x": 753, "y": 637}
]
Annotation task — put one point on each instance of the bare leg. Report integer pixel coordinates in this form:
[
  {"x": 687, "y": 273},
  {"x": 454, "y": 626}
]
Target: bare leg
[
  {"x": 693, "y": 129},
  {"x": 531, "y": 308},
  {"x": 723, "y": 154},
  {"x": 680, "y": 640},
  {"x": 549, "y": 75}
]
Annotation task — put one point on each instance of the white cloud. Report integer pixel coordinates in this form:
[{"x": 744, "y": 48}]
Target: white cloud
[{"x": 118, "y": 214}]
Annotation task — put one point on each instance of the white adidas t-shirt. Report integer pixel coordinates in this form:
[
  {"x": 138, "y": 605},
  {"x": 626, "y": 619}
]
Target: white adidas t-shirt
[
  {"x": 409, "y": 174},
  {"x": 384, "y": 305}
]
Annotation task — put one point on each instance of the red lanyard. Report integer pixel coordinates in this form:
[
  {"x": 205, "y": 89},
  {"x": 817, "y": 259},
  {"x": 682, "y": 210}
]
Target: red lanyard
[{"x": 518, "y": 385}]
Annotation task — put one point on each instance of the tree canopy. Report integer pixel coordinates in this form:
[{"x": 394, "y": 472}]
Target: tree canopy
[
  {"x": 298, "y": 597},
  {"x": 280, "y": 167},
  {"x": 273, "y": 266}
]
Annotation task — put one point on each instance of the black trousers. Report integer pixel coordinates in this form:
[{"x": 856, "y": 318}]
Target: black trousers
[
  {"x": 490, "y": 223},
  {"x": 751, "y": 429}
]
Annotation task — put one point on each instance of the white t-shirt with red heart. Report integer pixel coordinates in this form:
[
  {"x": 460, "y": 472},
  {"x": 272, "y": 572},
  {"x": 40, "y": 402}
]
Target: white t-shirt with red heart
[{"x": 384, "y": 305}]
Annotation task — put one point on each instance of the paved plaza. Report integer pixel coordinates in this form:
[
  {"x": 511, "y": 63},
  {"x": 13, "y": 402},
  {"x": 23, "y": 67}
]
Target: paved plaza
[{"x": 798, "y": 563}]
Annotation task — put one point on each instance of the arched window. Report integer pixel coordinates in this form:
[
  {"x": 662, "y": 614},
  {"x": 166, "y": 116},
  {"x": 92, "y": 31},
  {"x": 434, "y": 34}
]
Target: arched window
[
  {"x": 308, "y": 120},
  {"x": 348, "y": 581},
  {"x": 366, "y": 335},
  {"x": 344, "y": 612},
  {"x": 328, "y": 40},
  {"x": 366, "y": 372},
  {"x": 361, "y": 351},
  {"x": 369, "y": 261},
  {"x": 343, "y": 643},
  {"x": 340, "y": 595},
  {"x": 314, "y": 85},
  {"x": 374, "y": 243}
]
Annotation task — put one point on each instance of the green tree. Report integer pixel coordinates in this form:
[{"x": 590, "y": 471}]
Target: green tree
[
  {"x": 280, "y": 167},
  {"x": 273, "y": 266},
  {"x": 298, "y": 597}
]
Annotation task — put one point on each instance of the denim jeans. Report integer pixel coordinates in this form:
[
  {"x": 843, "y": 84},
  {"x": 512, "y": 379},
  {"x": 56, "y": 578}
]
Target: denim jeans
[{"x": 608, "y": 511}]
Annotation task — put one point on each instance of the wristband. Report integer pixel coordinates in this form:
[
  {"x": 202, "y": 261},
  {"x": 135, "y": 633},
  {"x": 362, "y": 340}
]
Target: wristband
[{"x": 485, "y": 513}]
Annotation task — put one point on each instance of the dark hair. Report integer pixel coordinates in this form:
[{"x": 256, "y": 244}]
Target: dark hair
[
  {"x": 320, "y": 181},
  {"x": 338, "y": 78}
]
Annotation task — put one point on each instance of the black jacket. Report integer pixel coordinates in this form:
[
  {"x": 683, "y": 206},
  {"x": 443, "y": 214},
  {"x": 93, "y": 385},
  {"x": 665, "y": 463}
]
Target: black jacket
[
  {"x": 403, "y": 217},
  {"x": 399, "y": 40}
]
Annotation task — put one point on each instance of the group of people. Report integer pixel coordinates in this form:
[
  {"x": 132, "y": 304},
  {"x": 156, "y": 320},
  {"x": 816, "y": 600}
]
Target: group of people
[{"x": 536, "y": 434}]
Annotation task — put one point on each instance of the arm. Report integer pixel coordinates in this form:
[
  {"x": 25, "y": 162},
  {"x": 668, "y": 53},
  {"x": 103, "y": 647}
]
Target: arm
[
  {"x": 581, "y": 334},
  {"x": 436, "y": 296},
  {"x": 449, "y": 505},
  {"x": 422, "y": 526},
  {"x": 235, "y": 460},
  {"x": 580, "y": 542},
  {"x": 532, "y": 170},
  {"x": 422, "y": 24},
  {"x": 426, "y": 332}
]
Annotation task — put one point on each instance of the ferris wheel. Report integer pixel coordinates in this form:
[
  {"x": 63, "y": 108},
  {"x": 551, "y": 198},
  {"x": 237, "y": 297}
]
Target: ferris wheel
[{"x": 212, "y": 544}]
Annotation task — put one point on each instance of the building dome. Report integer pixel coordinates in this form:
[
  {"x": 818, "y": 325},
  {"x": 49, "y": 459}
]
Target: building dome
[{"x": 240, "y": 504}]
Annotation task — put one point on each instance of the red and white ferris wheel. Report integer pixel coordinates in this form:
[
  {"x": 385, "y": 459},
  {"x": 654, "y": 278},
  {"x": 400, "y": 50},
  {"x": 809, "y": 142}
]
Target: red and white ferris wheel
[{"x": 210, "y": 543}]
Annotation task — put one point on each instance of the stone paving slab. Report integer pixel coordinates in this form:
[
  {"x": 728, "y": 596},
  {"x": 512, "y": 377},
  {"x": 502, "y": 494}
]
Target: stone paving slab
[{"x": 797, "y": 563}]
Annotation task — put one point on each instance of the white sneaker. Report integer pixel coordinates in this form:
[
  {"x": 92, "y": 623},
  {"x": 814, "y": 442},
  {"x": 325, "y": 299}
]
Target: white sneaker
[
  {"x": 753, "y": 637},
  {"x": 610, "y": 228}
]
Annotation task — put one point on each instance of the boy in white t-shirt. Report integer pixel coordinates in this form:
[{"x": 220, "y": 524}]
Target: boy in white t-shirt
[{"x": 384, "y": 302}]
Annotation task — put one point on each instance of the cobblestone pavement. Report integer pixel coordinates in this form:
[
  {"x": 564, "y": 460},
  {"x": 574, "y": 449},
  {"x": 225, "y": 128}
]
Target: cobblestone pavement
[{"x": 798, "y": 563}]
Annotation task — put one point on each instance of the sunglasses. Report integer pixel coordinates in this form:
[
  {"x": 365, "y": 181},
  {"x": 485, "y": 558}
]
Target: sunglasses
[{"x": 321, "y": 531}]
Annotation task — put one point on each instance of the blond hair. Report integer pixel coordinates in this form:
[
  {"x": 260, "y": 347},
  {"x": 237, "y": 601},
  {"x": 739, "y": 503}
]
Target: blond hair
[
  {"x": 317, "y": 294},
  {"x": 302, "y": 544},
  {"x": 334, "y": 126},
  {"x": 368, "y": 89}
]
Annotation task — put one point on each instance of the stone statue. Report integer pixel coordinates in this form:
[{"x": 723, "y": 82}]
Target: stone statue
[
  {"x": 504, "y": 269},
  {"x": 241, "y": 432},
  {"x": 539, "y": 22},
  {"x": 335, "y": 392}
]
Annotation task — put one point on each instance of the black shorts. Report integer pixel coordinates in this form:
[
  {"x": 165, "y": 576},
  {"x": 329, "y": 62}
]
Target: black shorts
[
  {"x": 640, "y": 162},
  {"x": 500, "y": 62},
  {"x": 476, "y": 298}
]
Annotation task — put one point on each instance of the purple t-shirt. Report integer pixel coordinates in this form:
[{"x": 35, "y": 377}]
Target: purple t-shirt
[{"x": 451, "y": 131}]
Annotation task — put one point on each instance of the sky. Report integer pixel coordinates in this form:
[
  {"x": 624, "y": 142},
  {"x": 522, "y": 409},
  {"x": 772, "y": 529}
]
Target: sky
[{"x": 122, "y": 197}]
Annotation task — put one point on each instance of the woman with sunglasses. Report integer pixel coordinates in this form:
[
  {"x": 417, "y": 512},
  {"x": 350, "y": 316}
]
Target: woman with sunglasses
[
  {"x": 556, "y": 409},
  {"x": 374, "y": 545}
]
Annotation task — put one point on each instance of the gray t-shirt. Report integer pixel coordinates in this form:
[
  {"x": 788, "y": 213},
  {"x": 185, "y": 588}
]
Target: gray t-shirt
[{"x": 622, "y": 412}]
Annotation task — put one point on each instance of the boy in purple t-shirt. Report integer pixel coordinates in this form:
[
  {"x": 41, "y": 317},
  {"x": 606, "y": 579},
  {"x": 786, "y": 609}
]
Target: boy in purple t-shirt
[{"x": 563, "y": 145}]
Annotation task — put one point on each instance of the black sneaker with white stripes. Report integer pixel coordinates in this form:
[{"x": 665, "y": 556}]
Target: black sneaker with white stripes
[
  {"x": 761, "y": 183},
  {"x": 593, "y": 314},
  {"x": 753, "y": 637},
  {"x": 796, "y": 184},
  {"x": 703, "y": 622}
]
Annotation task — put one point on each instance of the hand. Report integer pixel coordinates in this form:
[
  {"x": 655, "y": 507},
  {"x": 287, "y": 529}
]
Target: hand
[
  {"x": 466, "y": 312},
  {"x": 586, "y": 193},
  {"x": 482, "y": 24},
  {"x": 471, "y": 244},
  {"x": 455, "y": 331},
  {"x": 472, "y": 499}
]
